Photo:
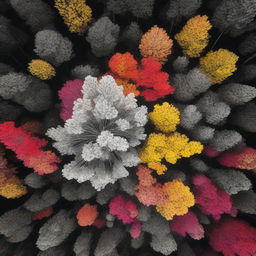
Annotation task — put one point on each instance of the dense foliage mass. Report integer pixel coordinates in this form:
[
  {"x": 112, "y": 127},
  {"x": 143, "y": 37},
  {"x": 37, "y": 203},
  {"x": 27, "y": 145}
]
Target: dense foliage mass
[{"x": 127, "y": 127}]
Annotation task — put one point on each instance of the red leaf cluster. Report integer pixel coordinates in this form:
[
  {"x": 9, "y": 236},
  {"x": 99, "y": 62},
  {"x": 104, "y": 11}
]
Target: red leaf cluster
[
  {"x": 187, "y": 224},
  {"x": 233, "y": 237},
  {"x": 126, "y": 211},
  {"x": 211, "y": 199},
  {"x": 148, "y": 75},
  {"x": 28, "y": 148},
  {"x": 244, "y": 159}
]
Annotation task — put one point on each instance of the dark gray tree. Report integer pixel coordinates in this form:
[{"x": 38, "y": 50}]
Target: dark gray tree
[
  {"x": 233, "y": 15},
  {"x": 103, "y": 36},
  {"x": 37, "y": 14}
]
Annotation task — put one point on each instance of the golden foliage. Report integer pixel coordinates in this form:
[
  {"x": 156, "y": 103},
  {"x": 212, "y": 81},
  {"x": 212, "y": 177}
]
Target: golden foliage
[
  {"x": 169, "y": 147},
  {"x": 178, "y": 198},
  {"x": 156, "y": 43},
  {"x": 194, "y": 36},
  {"x": 41, "y": 69},
  {"x": 218, "y": 65},
  {"x": 75, "y": 13},
  {"x": 12, "y": 190},
  {"x": 165, "y": 117}
]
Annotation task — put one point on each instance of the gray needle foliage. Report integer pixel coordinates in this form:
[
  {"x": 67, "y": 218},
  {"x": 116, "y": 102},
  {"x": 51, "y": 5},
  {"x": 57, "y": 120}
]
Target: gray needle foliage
[
  {"x": 106, "y": 194},
  {"x": 53, "y": 47},
  {"x": 37, "y": 14},
  {"x": 248, "y": 45},
  {"x": 180, "y": 64},
  {"x": 104, "y": 128},
  {"x": 5, "y": 69},
  {"x": 232, "y": 15},
  {"x": 72, "y": 191},
  {"x": 182, "y": 8},
  {"x": 15, "y": 224},
  {"x": 55, "y": 230},
  {"x": 108, "y": 241},
  {"x": 83, "y": 71},
  {"x": 225, "y": 139},
  {"x": 230, "y": 180},
  {"x": 25, "y": 90},
  {"x": 138, "y": 8},
  {"x": 189, "y": 117},
  {"x": 245, "y": 201},
  {"x": 246, "y": 73},
  {"x": 132, "y": 35},
  {"x": 39, "y": 201},
  {"x": 184, "y": 250},
  {"x": 203, "y": 133},
  {"x": 162, "y": 240},
  {"x": 103, "y": 36},
  {"x": 35, "y": 180},
  {"x": 189, "y": 85},
  {"x": 9, "y": 112},
  {"x": 236, "y": 94},
  {"x": 198, "y": 165},
  {"x": 245, "y": 117},
  {"x": 10, "y": 36},
  {"x": 213, "y": 109},
  {"x": 82, "y": 244}
]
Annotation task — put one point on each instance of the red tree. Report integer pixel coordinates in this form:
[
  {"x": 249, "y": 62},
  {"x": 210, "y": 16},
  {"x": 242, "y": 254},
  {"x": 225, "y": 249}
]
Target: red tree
[{"x": 233, "y": 237}]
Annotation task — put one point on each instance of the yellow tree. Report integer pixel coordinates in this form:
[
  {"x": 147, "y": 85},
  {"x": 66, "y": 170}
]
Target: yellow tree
[
  {"x": 165, "y": 117},
  {"x": 41, "y": 69},
  {"x": 194, "y": 36},
  {"x": 178, "y": 199},
  {"x": 75, "y": 13},
  {"x": 156, "y": 43},
  {"x": 218, "y": 65}
]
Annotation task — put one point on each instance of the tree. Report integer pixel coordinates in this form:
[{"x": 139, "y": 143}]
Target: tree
[
  {"x": 214, "y": 110},
  {"x": 99, "y": 106},
  {"x": 132, "y": 35},
  {"x": 165, "y": 117},
  {"x": 41, "y": 69},
  {"x": 242, "y": 159},
  {"x": 37, "y": 14},
  {"x": 55, "y": 230},
  {"x": 210, "y": 199},
  {"x": 102, "y": 36},
  {"x": 138, "y": 8},
  {"x": 225, "y": 139},
  {"x": 188, "y": 224},
  {"x": 245, "y": 117},
  {"x": 28, "y": 148},
  {"x": 236, "y": 94},
  {"x": 194, "y": 36},
  {"x": 51, "y": 46},
  {"x": 160, "y": 48},
  {"x": 75, "y": 13},
  {"x": 233, "y": 15},
  {"x": 182, "y": 8},
  {"x": 10, "y": 37},
  {"x": 189, "y": 85},
  {"x": 230, "y": 180},
  {"x": 87, "y": 215},
  {"x": 82, "y": 71},
  {"x": 233, "y": 237},
  {"x": 218, "y": 65}
]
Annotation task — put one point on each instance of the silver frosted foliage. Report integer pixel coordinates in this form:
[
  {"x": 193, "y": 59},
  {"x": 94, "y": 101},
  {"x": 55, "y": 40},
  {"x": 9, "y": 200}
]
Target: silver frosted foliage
[{"x": 102, "y": 133}]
